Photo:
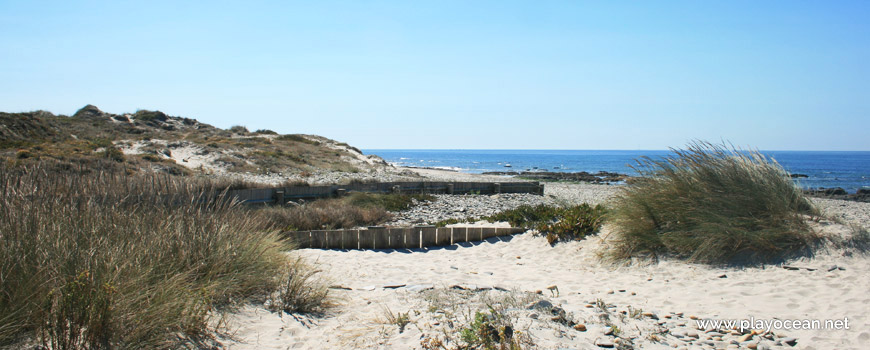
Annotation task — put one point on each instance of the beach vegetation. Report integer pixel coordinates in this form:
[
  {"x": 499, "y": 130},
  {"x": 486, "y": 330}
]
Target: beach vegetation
[
  {"x": 712, "y": 204},
  {"x": 390, "y": 201},
  {"x": 300, "y": 290},
  {"x": 557, "y": 223},
  {"x": 96, "y": 260}
]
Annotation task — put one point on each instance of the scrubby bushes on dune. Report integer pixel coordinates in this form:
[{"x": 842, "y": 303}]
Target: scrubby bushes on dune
[
  {"x": 354, "y": 210},
  {"x": 119, "y": 261},
  {"x": 556, "y": 223},
  {"x": 714, "y": 204}
]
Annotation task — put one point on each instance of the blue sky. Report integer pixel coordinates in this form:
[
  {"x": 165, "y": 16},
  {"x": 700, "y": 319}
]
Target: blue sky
[{"x": 775, "y": 75}]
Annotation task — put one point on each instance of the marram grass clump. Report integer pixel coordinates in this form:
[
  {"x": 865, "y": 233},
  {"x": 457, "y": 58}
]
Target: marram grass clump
[
  {"x": 109, "y": 260},
  {"x": 711, "y": 204}
]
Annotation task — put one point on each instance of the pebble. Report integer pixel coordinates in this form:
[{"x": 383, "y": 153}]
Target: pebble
[
  {"x": 604, "y": 343},
  {"x": 580, "y": 327}
]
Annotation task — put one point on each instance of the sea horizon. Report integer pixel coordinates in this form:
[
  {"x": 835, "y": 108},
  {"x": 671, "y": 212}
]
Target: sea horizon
[{"x": 849, "y": 170}]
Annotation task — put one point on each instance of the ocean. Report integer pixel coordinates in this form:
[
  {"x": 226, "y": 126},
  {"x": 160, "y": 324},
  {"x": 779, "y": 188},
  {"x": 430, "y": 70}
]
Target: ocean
[{"x": 825, "y": 169}]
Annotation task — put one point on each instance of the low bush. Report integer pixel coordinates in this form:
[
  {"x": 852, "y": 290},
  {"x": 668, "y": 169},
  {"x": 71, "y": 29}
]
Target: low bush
[
  {"x": 556, "y": 223},
  {"x": 714, "y": 204}
]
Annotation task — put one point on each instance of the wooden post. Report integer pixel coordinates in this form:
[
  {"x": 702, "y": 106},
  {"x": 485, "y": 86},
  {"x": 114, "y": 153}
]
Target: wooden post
[
  {"x": 396, "y": 189},
  {"x": 397, "y": 238},
  {"x": 333, "y": 239},
  {"x": 350, "y": 239},
  {"x": 459, "y": 235},
  {"x": 301, "y": 238},
  {"x": 279, "y": 197},
  {"x": 379, "y": 237},
  {"x": 450, "y": 188},
  {"x": 318, "y": 239},
  {"x": 340, "y": 192},
  {"x": 366, "y": 239},
  {"x": 428, "y": 236},
  {"x": 443, "y": 236},
  {"x": 412, "y": 237},
  {"x": 487, "y": 232},
  {"x": 496, "y": 188}
]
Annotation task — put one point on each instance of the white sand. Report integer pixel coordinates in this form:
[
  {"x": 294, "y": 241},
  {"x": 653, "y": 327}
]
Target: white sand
[{"x": 526, "y": 263}]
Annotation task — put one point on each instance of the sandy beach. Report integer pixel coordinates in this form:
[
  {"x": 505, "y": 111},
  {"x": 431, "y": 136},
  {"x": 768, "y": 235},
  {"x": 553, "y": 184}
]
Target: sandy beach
[{"x": 588, "y": 303}]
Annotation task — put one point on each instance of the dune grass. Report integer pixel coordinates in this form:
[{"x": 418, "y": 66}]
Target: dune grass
[
  {"x": 109, "y": 260},
  {"x": 713, "y": 204},
  {"x": 354, "y": 210}
]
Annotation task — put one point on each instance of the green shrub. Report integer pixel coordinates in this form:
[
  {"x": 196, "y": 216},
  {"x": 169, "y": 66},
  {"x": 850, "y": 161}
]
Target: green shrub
[
  {"x": 711, "y": 203},
  {"x": 265, "y": 132},
  {"x": 557, "y": 223}
]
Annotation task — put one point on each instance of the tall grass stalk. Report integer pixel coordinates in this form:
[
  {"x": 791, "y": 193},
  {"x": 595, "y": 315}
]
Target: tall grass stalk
[
  {"x": 712, "y": 203},
  {"x": 109, "y": 260}
]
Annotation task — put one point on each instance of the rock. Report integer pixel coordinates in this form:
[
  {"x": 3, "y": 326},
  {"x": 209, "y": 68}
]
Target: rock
[
  {"x": 791, "y": 341},
  {"x": 419, "y": 287},
  {"x": 692, "y": 334},
  {"x": 650, "y": 315},
  {"x": 339, "y": 287},
  {"x": 744, "y": 337},
  {"x": 752, "y": 346},
  {"x": 608, "y": 331},
  {"x": 540, "y": 304},
  {"x": 533, "y": 315},
  {"x": 604, "y": 343},
  {"x": 539, "y": 291},
  {"x": 394, "y": 285},
  {"x": 580, "y": 327},
  {"x": 832, "y": 268},
  {"x": 723, "y": 276},
  {"x": 367, "y": 288}
]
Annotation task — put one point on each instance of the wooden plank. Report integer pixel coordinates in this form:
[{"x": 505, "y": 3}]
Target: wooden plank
[
  {"x": 302, "y": 239},
  {"x": 318, "y": 239},
  {"x": 488, "y": 232},
  {"x": 397, "y": 238},
  {"x": 428, "y": 236},
  {"x": 366, "y": 239},
  {"x": 333, "y": 239},
  {"x": 350, "y": 239},
  {"x": 459, "y": 235},
  {"x": 443, "y": 235},
  {"x": 379, "y": 237},
  {"x": 412, "y": 238},
  {"x": 474, "y": 234}
]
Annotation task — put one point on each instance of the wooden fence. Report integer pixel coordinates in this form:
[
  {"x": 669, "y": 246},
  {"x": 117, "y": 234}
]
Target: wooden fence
[
  {"x": 396, "y": 238},
  {"x": 281, "y": 195}
]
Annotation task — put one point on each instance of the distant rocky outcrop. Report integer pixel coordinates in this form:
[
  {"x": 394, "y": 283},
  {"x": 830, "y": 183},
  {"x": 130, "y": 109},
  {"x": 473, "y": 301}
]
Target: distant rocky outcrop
[
  {"x": 862, "y": 195},
  {"x": 583, "y": 176}
]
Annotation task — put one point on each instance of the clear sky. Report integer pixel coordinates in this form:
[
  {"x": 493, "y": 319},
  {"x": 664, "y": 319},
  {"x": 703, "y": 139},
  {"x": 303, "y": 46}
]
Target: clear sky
[{"x": 775, "y": 75}]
